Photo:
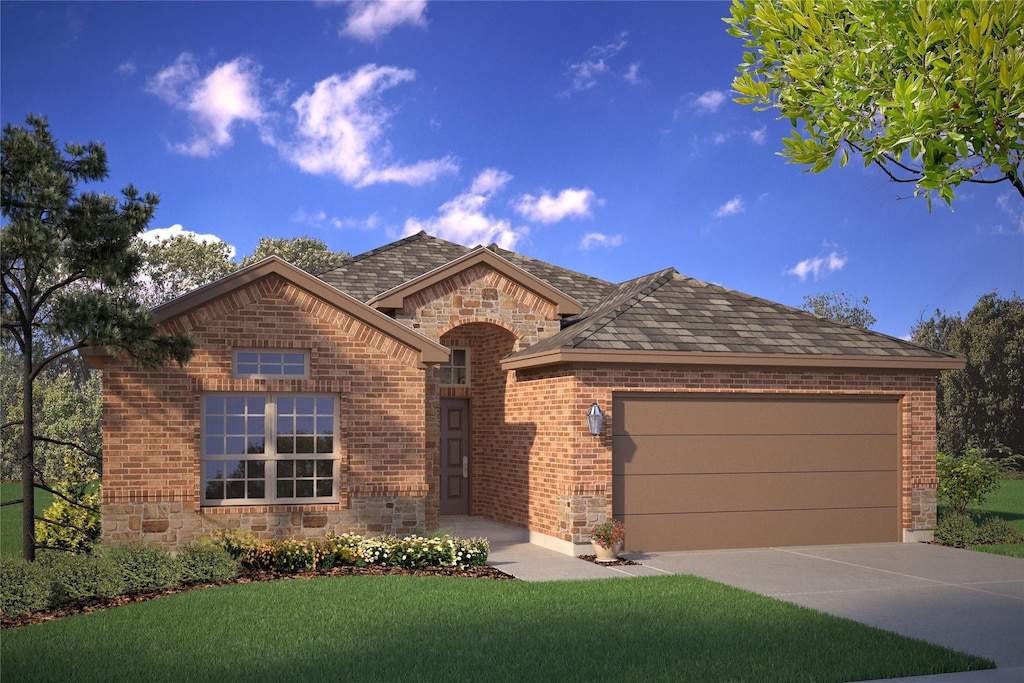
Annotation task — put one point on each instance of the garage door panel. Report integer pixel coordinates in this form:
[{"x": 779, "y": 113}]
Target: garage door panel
[
  {"x": 653, "y": 533},
  {"x": 753, "y": 415},
  {"x": 752, "y": 453},
  {"x": 694, "y": 471},
  {"x": 682, "y": 493}
]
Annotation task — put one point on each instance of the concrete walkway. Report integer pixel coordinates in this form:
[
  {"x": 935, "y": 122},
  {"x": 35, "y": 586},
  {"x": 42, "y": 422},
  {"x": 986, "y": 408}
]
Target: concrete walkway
[{"x": 968, "y": 601}]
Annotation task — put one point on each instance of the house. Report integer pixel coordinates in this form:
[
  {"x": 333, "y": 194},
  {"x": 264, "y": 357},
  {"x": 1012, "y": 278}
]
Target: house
[{"x": 424, "y": 379}]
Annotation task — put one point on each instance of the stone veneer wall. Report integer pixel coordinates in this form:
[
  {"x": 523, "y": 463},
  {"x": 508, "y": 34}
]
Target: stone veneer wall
[
  {"x": 568, "y": 486},
  {"x": 151, "y": 423},
  {"x": 480, "y": 294}
]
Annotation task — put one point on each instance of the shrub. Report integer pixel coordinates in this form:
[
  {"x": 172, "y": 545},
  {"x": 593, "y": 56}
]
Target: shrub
[
  {"x": 145, "y": 567},
  {"x": 966, "y": 479},
  {"x": 74, "y": 525},
  {"x": 82, "y": 576},
  {"x": 206, "y": 561},
  {"x": 956, "y": 529},
  {"x": 25, "y": 586},
  {"x": 997, "y": 530}
]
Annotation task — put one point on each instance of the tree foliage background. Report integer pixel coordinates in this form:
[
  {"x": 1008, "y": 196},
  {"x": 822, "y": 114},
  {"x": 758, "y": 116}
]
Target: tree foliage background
[
  {"x": 929, "y": 91},
  {"x": 982, "y": 405},
  {"x": 840, "y": 307}
]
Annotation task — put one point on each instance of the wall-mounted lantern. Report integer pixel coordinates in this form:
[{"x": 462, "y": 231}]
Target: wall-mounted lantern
[{"x": 595, "y": 419}]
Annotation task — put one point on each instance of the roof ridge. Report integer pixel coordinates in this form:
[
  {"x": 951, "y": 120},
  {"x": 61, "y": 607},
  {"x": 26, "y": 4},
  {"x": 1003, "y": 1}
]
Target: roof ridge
[
  {"x": 658, "y": 279},
  {"x": 421, "y": 235},
  {"x": 497, "y": 249}
]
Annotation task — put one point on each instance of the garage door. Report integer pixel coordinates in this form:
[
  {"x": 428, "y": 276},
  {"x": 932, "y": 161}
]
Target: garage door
[{"x": 741, "y": 471}]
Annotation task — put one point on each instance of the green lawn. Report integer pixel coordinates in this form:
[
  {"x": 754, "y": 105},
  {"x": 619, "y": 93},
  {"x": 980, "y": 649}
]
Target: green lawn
[
  {"x": 10, "y": 517},
  {"x": 388, "y": 628}
]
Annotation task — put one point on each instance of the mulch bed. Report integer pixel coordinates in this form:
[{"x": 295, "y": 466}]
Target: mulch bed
[
  {"x": 87, "y": 605},
  {"x": 614, "y": 563}
]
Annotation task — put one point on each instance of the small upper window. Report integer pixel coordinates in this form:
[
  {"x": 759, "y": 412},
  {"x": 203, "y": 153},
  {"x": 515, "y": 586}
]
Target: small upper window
[
  {"x": 456, "y": 371},
  {"x": 272, "y": 364}
]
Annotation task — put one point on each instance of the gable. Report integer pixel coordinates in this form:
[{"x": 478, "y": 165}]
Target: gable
[
  {"x": 395, "y": 298},
  {"x": 243, "y": 284}
]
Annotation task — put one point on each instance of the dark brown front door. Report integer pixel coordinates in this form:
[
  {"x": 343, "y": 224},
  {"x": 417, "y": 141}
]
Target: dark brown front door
[{"x": 454, "y": 456}]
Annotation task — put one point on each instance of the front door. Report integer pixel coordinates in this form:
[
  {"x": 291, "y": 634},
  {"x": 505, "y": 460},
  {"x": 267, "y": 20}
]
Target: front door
[{"x": 454, "y": 456}]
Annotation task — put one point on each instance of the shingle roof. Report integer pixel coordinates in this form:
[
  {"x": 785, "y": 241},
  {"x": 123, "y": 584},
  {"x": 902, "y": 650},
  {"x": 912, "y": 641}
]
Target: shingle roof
[
  {"x": 379, "y": 270},
  {"x": 663, "y": 312},
  {"x": 376, "y": 271},
  {"x": 668, "y": 312}
]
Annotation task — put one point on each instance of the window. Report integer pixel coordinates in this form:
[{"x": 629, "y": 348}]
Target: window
[
  {"x": 276, "y": 448},
  {"x": 267, "y": 364},
  {"x": 456, "y": 371}
]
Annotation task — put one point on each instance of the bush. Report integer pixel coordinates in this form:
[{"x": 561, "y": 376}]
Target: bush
[
  {"x": 960, "y": 531},
  {"x": 956, "y": 529},
  {"x": 966, "y": 479},
  {"x": 82, "y": 576},
  {"x": 997, "y": 530},
  {"x": 73, "y": 526},
  {"x": 206, "y": 561},
  {"x": 145, "y": 567},
  {"x": 25, "y": 586}
]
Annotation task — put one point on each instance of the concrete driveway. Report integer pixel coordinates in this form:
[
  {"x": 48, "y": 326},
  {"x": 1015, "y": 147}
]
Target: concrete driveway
[{"x": 965, "y": 600}]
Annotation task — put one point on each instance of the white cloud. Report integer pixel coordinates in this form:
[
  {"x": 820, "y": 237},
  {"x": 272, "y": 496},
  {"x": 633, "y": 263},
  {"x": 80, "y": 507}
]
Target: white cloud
[
  {"x": 632, "y": 74},
  {"x": 171, "y": 83},
  {"x": 818, "y": 266},
  {"x": 570, "y": 203},
  {"x": 759, "y": 135},
  {"x": 585, "y": 74},
  {"x": 1015, "y": 215},
  {"x": 227, "y": 94},
  {"x": 320, "y": 220},
  {"x": 341, "y": 126},
  {"x": 126, "y": 69},
  {"x": 372, "y": 20},
  {"x": 177, "y": 230},
  {"x": 709, "y": 102},
  {"x": 730, "y": 208},
  {"x": 464, "y": 219},
  {"x": 597, "y": 239}
]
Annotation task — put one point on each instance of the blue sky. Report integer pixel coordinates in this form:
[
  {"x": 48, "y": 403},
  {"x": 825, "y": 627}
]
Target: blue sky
[{"x": 598, "y": 136}]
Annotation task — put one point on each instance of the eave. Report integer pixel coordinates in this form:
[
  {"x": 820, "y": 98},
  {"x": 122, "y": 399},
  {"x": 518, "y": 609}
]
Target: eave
[{"x": 681, "y": 358}]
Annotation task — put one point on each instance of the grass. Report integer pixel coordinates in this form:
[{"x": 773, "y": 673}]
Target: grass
[
  {"x": 10, "y": 517},
  {"x": 386, "y": 628},
  {"x": 1007, "y": 502}
]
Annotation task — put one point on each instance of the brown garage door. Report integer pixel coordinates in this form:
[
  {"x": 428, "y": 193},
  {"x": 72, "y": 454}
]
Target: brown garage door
[{"x": 741, "y": 471}]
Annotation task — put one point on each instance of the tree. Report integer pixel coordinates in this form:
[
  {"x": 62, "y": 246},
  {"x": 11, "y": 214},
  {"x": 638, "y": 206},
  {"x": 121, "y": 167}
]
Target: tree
[
  {"x": 930, "y": 91},
  {"x": 179, "y": 264},
  {"x": 983, "y": 404},
  {"x": 65, "y": 256},
  {"x": 308, "y": 253},
  {"x": 839, "y": 306}
]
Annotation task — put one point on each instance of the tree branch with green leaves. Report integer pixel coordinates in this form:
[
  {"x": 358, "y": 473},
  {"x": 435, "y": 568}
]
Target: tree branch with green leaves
[{"x": 929, "y": 91}]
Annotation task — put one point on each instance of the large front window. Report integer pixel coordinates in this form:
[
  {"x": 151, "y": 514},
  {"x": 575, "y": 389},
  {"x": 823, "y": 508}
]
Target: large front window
[{"x": 269, "y": 448}]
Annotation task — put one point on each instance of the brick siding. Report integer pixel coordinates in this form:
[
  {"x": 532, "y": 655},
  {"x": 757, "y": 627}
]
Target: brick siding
[{"x": 151, "y": 423}]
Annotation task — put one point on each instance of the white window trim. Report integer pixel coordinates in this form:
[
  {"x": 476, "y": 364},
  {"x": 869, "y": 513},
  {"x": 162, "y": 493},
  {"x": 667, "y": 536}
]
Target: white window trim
[
  {"x": 450, "y": 366},
  {"x": 246, "y": 375},
  {"x": 270, "y": 455}
]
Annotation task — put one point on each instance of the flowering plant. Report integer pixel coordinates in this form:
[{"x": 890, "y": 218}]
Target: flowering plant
[{"x": 608, "y": 534}]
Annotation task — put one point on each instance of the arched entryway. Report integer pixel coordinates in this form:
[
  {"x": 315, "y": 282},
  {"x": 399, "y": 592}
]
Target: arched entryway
[{"x": 473, "y": 464}]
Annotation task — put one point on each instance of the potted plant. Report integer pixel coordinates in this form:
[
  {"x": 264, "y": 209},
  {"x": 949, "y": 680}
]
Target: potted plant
[{"x": 606, "y": 538}]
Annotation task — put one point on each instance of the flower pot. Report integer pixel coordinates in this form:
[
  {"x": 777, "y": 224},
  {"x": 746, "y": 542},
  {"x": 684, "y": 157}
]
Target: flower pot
[{"x": 606, "y": 554}]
